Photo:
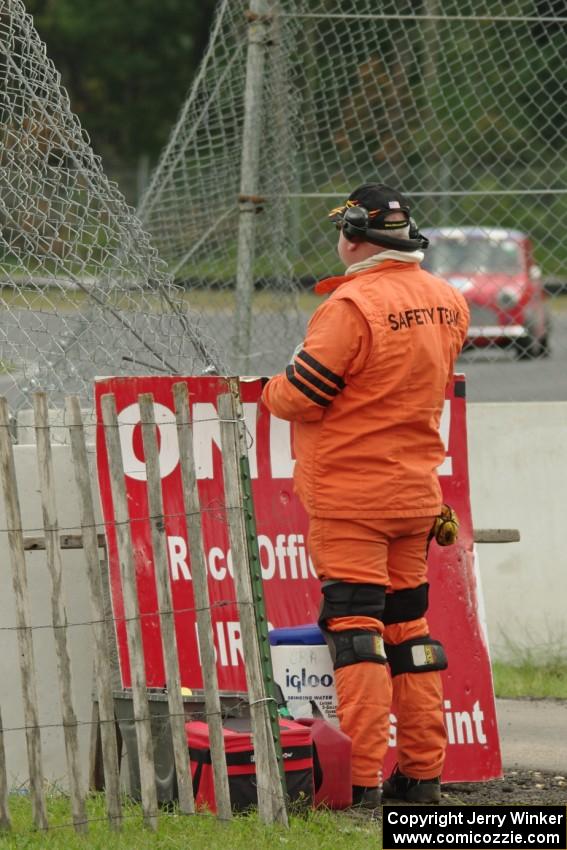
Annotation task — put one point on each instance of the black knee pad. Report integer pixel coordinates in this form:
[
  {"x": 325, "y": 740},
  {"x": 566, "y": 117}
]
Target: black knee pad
[
  {"x": 347, "y": 599},
  {"x": 405, "y": 605},
  {"x": 419, "y": 655},
  {"x": 354, "y": 646}
]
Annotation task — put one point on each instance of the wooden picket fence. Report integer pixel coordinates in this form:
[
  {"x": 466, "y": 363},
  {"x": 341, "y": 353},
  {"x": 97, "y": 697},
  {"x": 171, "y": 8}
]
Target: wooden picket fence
[{"x": 271, "y": 795}]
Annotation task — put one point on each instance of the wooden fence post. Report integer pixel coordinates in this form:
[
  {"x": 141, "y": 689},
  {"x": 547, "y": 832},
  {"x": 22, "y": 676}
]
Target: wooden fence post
[
  {"x": 132, "y": 611},
  {"x": 58, "y": 612},
  {"x": 165, "y": 602},
  {"x": 103, "y": 663},
  {"x": 5, "y": 822},
  {"x": 271, "y": 800},
  {"x": 23, "y": 619},
  {"x": 202, "y": 601}
]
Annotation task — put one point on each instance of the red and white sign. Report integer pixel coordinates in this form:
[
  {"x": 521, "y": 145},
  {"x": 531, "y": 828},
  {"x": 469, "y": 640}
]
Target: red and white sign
[{"x": 290, "y": 584}]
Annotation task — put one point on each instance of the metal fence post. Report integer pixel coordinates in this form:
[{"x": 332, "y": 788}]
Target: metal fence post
[{"x": 259, "y": 25}]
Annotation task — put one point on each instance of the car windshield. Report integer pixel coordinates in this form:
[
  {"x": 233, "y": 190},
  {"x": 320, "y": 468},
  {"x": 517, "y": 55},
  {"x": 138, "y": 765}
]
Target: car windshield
[{"x": 473, "y": 255}]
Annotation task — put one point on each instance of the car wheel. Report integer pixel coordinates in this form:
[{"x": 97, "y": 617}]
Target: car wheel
[
  {"x": 526, "y": 348},
  {"x": 544, "y": 347}
]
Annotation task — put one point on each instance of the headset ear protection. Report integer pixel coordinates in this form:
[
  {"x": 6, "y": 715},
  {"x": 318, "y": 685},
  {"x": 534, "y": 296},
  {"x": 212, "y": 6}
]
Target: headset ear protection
[{"x": 355, "y": 226}]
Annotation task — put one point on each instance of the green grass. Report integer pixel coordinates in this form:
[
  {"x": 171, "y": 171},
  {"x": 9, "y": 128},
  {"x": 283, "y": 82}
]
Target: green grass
[
  {"x": 320, "y": 830},
  {"x": 53, "y": 299},
  {"x": 558, "y": 303},
  {"x": 528, "y": 679}
]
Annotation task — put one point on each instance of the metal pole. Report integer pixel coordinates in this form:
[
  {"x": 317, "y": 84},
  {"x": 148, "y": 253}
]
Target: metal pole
[
  {"x": 259, "y": 26},
  {"x": 430, "y": 35}
]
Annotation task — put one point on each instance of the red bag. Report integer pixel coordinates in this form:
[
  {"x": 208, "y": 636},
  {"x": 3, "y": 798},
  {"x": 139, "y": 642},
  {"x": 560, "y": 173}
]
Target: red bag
[{"x": 297, "y": 753}]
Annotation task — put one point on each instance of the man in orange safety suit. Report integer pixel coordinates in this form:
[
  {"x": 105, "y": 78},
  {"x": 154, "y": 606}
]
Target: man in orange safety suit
[{"x": 365, "y": 392}]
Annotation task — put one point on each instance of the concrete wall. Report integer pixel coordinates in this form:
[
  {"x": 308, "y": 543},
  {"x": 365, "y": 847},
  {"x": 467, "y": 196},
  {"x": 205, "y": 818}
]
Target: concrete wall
[
  {"x": 518, "y": 479},
  {"x": 78, "y": 611},
  {"x": 518, "y": 464}
]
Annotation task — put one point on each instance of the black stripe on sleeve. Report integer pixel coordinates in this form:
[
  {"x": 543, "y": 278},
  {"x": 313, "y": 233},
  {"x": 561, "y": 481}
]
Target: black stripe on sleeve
[
  {"x": 318, "y": 367},
  {"x": 309, "y": 376},
  {"x": 307, "y": 391}
]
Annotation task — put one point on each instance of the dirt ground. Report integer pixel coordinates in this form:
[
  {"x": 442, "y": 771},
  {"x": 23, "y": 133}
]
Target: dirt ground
[
  {"x": 527, "y": 787},
  {"x": 517, "y": 788}
]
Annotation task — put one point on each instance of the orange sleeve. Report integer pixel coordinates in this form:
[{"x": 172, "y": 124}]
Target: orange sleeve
[{"x": 336, "y": 344}]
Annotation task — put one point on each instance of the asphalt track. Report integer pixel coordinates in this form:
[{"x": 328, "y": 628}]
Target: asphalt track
[
  {"x": 492, "y": 376},
  {"x": 533, "y": 734},
  {"x": 496, "y": 376}
]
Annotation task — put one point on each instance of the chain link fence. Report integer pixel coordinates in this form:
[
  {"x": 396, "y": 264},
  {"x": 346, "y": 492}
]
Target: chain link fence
[
  {"x": 83, "y": 292},
  {"x": 462, "y": 105}
]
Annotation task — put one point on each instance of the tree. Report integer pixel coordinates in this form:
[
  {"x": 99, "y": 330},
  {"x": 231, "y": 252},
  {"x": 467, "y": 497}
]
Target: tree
[{"x": 127, "y": 65}]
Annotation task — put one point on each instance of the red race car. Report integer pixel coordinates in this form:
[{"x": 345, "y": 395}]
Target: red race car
[{"x": 495, "y": 270}]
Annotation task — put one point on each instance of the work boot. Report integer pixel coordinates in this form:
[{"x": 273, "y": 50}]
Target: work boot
[
  {"x": 364, "y": 797},
  {"x": 400, "y": 787}
]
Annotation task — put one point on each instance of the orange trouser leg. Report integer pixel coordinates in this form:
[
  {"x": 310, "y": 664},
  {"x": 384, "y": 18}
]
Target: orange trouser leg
[
  {"x": 386, "y": 552},
  {"x": 418, "y": 706},
  {"x": 344, "y": 550},
  {"x": 364, "y": 695}
]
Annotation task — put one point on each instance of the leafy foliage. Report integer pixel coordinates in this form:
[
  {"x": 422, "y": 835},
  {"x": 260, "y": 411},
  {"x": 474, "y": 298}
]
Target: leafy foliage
[{"x": 127, "y": 65}]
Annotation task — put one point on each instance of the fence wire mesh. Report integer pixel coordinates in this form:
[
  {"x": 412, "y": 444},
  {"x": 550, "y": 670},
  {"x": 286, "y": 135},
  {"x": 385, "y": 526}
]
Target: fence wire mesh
[
  {"x": 461, "y": 105},
  {"x": 83, "y": 293}
]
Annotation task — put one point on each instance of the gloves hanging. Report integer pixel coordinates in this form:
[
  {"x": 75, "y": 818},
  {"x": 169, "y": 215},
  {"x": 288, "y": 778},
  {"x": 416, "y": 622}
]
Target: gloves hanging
[{"x": 445, "y": 528}]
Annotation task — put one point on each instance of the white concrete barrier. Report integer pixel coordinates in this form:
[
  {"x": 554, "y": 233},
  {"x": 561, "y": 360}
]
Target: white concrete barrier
[
  {"x": 78, "y": 611},
  {"x": 518, "y": 479}
]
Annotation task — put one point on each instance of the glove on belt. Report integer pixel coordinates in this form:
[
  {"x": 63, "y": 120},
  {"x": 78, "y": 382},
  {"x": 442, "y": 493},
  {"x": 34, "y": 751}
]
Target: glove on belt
[{"x": 445, "y": 528}]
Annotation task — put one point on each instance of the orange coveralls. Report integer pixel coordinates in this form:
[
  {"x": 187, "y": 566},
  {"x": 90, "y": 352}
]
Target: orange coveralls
[{"x": 366, "y": 393}]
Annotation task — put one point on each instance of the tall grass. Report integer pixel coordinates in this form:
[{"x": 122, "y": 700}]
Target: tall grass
[
  {"x": 314, "y": 830},
  {"x": 527, "y": 679},
  {"x": 537, "y": 669}
]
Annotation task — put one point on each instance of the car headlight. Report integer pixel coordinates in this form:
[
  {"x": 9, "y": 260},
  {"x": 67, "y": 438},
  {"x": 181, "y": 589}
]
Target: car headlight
[{"x": 507, "y": 297}]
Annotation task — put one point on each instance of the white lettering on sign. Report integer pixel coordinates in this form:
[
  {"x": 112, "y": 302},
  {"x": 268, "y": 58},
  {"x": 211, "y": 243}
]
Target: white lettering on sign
[
  {"x": 235, "y": 644},
  {"x": 463, "y": 727},
  {"x": 216, "y": 561},
  {"x": 206, "y": 434},
  {"x": 287, "y": 558},
  {"x": 267, "y": 557},
  {"x": 282, "y": 463},
  {"x": 250, "y": 410},
  {"x": 206, "y": 438},
  {"x": 227, "y": 639},
  {"x": 446, "y": 467},
  {"x": 134, "y": 466},
  {"x": 177, "y": 550}
]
